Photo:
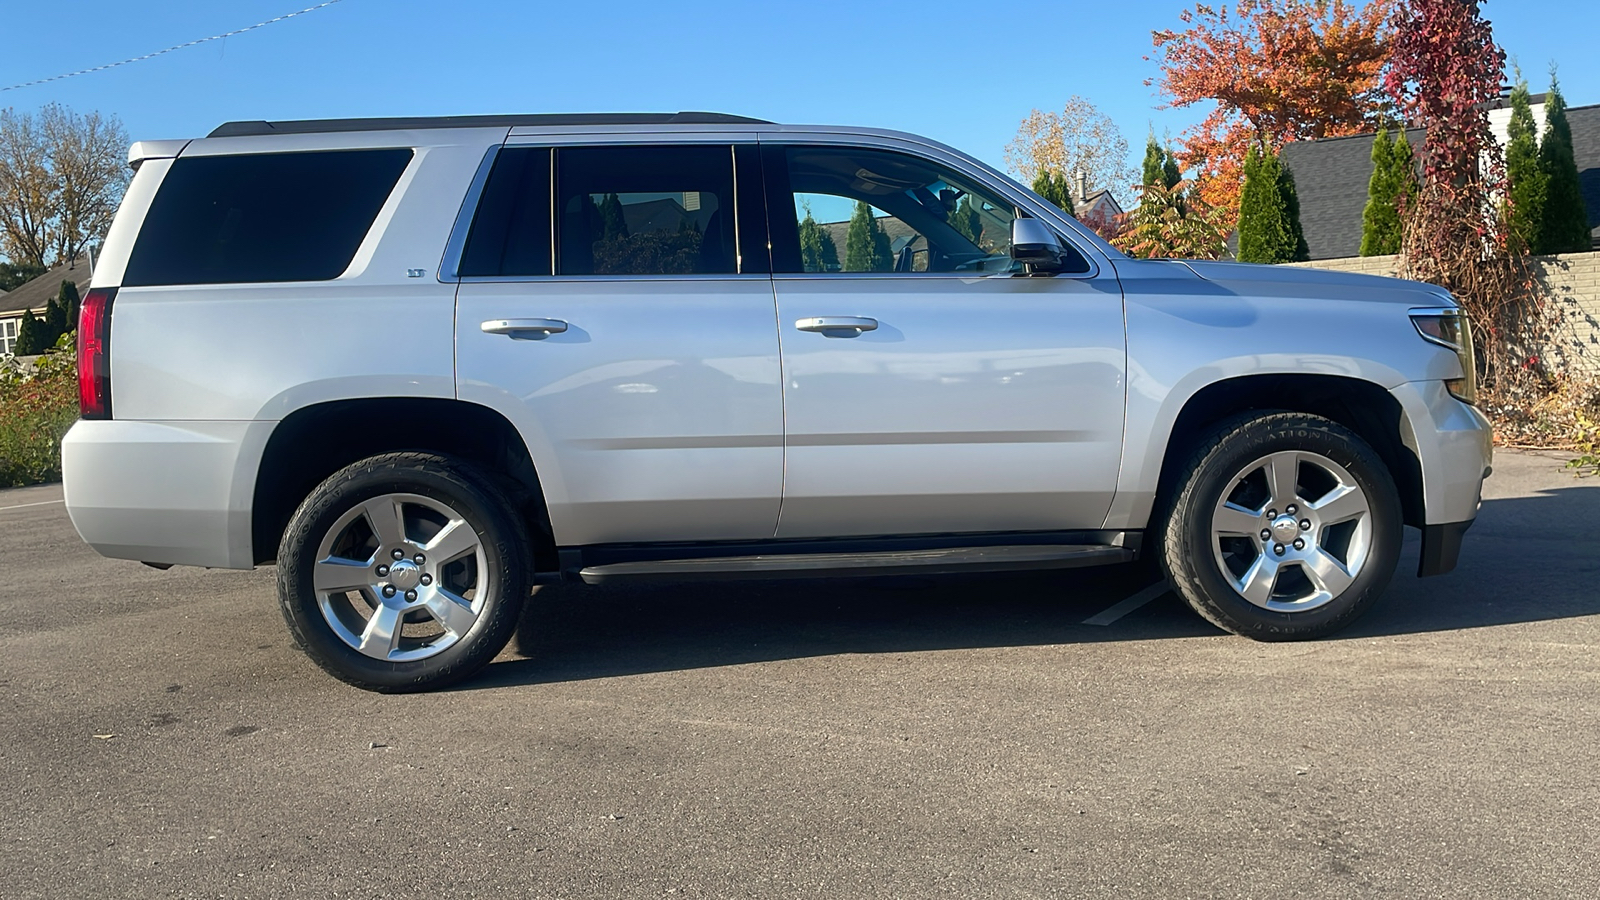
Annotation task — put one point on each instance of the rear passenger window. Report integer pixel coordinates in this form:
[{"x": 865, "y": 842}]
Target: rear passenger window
[
  {"x": 262, "y": 217},
  {"x": 662, "y": 210},
  {"x": 511, "y": 231}
]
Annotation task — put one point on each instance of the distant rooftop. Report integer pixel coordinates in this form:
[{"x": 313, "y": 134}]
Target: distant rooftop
[
  {"x": 1331, "y": 178},
  {"x": 321, "y": 126},
  {"x": 37, "y": 293}
]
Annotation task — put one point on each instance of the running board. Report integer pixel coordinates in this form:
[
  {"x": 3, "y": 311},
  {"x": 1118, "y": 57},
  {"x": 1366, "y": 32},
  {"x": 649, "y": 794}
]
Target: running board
[{"x": 894, "y": 562}]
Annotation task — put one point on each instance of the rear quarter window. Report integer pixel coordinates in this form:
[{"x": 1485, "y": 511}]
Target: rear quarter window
[{"x": 262, "y": 217}]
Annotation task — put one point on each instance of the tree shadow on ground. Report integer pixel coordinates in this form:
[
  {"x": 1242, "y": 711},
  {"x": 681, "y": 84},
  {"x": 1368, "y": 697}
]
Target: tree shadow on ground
[{"x": 1528, "y": 559}]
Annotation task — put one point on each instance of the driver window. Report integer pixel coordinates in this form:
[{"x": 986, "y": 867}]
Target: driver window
[{"x": 861, "y": 210}]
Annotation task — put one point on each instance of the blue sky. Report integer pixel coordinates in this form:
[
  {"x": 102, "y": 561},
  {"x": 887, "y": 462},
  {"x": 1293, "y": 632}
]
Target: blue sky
[{"x": 962, "y": 72}]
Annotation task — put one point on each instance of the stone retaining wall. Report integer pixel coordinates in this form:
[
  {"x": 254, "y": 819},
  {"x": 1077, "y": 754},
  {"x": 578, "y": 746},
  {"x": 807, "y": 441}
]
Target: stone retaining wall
[{"x": 1572, "y": 282}]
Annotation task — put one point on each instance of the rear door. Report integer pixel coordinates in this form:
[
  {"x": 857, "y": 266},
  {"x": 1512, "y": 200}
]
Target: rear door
[
  {"x": 615, "y": 303},
  {"x": 930, "y": 386}
]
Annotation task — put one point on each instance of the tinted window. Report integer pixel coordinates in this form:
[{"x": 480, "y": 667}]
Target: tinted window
[
  {"x": 665, "y": 210},
  {"x": 262, "y": 217},
  {"x": 511, "y": 231},
  {"x": 864, "y": 210}
]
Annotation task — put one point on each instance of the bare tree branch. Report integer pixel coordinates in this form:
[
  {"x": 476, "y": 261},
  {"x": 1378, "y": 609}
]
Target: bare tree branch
[
  {"x": 1079, "y": 137},
  {"x": 61, "y": 178}
]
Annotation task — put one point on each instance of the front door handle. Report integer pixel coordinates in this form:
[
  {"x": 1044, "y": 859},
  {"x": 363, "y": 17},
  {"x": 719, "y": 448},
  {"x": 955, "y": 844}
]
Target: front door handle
[
  {"x": 523, "y": 327},
  {"x": 833, "y": 325}
]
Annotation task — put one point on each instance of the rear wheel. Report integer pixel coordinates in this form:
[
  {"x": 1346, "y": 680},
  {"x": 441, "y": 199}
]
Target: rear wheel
[
  {"x": 403, "y": 572},
  {"x": 1287, "y": 526}
]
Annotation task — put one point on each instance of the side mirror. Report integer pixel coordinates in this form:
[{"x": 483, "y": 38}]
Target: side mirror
[{"x": 1036, "y": 246}]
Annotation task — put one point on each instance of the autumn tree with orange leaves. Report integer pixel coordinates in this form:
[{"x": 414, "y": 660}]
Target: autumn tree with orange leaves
[{"x": 1277, "y": 71}]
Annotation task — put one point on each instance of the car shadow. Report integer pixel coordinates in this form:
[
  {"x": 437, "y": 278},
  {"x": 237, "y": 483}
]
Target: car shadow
[
  {"x": 1516, "y": 567},
  {"x": 1527, "y": 559}
]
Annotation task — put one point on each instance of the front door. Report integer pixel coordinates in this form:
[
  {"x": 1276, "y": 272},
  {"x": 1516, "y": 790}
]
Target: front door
[
  {"x": 928, "y": 387},
  {"x": 614, "y": 310}
]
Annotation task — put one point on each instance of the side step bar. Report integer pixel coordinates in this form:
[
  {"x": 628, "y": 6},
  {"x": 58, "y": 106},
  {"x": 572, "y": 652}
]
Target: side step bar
[{"x": 893, "y": 562}]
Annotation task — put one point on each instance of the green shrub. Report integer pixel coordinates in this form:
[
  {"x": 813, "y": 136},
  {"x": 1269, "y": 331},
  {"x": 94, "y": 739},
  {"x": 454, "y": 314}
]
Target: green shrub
[
  {"x": 35, "y": 412},
  {"x": 1588, "y": 461},
  {"x": 1394, "y": 180},
  {"x": 1269, "y": 211},
  {"x": 1053, "y": 187},
  {"x": 1564, "y": 227},
  {"x": 1529, "y": 184}
]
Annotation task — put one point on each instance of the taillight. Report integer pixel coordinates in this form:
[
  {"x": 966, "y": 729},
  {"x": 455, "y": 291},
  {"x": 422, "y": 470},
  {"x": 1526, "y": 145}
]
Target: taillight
[{"x": 94, "y": 354}]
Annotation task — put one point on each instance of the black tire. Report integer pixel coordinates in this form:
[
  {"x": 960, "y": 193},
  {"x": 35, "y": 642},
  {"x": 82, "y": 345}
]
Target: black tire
[
  {"x": 1204, "y": 568},
  {"x": 499, "y": 565}
]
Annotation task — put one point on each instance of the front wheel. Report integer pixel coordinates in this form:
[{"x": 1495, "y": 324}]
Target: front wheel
[
  {"x": 1286, "y": 526},
  {"x": 403, "y": 572}
]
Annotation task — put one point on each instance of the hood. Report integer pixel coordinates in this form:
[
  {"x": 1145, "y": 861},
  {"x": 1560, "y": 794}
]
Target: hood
[{"x": 1299, "y": 281}]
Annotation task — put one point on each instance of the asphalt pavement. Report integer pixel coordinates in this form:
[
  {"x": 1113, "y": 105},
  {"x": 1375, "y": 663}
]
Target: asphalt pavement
[{"x": 1077, "y": 734}]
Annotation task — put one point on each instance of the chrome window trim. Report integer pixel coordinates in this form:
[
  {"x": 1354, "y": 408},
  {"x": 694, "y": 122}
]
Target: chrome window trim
[
  {"x": 876, "y": 276},
  {"x": 628, "y": 138},
  {"x": 450, "y": 264},
  {"x": 449, "y": 267},
  {"x": 528, "y": 279}
]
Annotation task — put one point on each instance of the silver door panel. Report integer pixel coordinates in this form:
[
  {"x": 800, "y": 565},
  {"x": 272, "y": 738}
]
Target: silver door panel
[
  {"x": 654, "y": 416},
  {"x": 982, "y": 404}
]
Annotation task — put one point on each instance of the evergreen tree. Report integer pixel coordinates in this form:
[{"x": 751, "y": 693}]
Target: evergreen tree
[
  {"x": 1393, "y": 182},
  {"x": 53, "y": 323},
  {"x": 1269, "y": 211},
  {"x": 866, "y": 245},
  {"x": 30, "y": 336},
  {"x": 69, "y": 300},
  {"x": 818, "y": 253},
  {"x": 1169, "y": 169},
  {"x": 612, "y": 223},
  {"x": 1053, "y": 186},
  {"x": 1564, "y": 226},
  {"x": 1154, "y": 157},
  {"x": 1160, "y": 171},
  {"x": 1160, "y": 165},
  {"x": 1529, "y": 186},
  {"x": 55, "y": 318},
  {"x": 967, "y": 221}
]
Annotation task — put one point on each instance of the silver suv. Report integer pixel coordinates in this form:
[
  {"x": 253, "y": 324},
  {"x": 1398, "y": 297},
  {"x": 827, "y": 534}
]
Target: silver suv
[{"x": 426, "y": 364}]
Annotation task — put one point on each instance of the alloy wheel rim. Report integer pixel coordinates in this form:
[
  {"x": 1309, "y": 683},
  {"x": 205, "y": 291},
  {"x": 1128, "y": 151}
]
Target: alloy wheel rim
[
  {"x": 401, "y": 577},
  {"x": 1292, "y": 531}
]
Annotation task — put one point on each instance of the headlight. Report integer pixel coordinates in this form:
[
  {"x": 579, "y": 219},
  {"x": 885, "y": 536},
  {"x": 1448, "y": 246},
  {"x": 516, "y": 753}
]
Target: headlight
[{"x": 1450, "y": 328}]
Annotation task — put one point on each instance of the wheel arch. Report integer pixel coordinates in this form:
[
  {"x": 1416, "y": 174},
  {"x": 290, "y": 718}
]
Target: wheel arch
[
  {"x": 1362, "y": 406},
  {"x": 315, "y": 441}
]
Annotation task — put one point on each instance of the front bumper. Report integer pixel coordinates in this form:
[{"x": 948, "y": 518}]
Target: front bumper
[{"x": 1454, "y": 445}]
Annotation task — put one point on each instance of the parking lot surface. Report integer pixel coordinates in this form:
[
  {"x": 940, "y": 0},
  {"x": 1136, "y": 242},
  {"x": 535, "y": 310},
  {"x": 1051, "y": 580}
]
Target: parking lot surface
[{"x": 1077, "y": 734}]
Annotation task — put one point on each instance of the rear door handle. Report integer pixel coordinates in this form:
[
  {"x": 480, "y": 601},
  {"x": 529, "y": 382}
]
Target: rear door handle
[
  {"x": 523, "y": 327},
  {"x": 826, "y": 324}
]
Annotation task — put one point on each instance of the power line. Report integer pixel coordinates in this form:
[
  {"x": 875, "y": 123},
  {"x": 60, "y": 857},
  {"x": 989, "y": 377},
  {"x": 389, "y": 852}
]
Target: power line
[{"x": 214, "y": 37}]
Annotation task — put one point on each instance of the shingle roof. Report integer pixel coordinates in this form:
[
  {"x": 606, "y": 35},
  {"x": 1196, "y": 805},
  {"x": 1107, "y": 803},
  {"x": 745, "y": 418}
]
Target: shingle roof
[
  {"x": 37, "y": 293},
  {"x": 1585, "y": 122},
  {"x": 1084, "y": 204},
  {"x": 1331, "y": 178}
]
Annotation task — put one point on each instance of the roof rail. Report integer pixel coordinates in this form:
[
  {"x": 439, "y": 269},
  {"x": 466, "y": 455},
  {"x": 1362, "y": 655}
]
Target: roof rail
[{"x": 317, "y": 126}]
